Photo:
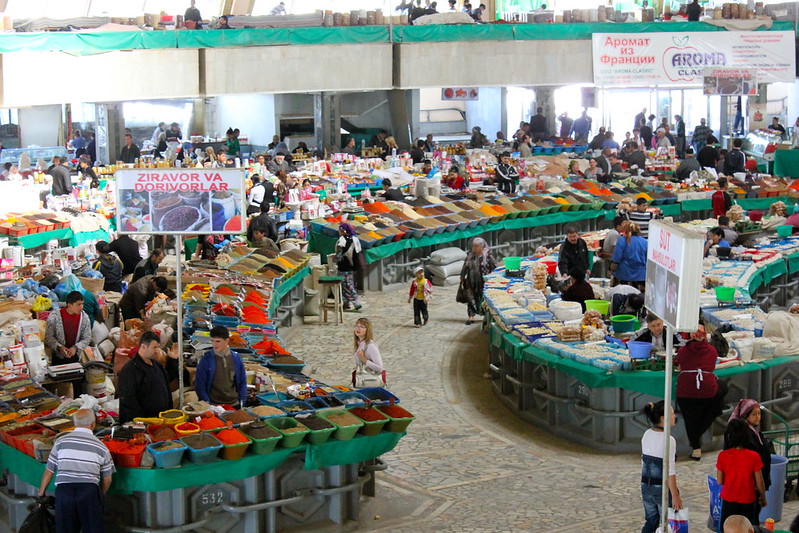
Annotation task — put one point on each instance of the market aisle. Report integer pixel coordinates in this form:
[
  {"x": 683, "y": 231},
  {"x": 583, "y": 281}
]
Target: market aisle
[{"x": 468, "y": 464}]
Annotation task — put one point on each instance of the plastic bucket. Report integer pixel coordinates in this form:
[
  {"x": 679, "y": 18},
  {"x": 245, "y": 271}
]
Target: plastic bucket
[
  {"x": 551, "y": 266},
  {"x": 784, "y": 230},
  {"x": 623, "y": 323},
  {"x": 598, "y": 305},
  {"x": 775, "y": 493},
  {"x": 755, "y": 216},
  {"x": 513, "y": 263},
  {"x": 725, "y": 294},
  {"x": 639, "y": 350}
]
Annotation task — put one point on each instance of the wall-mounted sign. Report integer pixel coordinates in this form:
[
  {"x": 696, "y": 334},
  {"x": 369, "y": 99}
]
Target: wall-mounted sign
[
  {"x": 730, "y": 82},
  {"x": 460, "y": 93}
]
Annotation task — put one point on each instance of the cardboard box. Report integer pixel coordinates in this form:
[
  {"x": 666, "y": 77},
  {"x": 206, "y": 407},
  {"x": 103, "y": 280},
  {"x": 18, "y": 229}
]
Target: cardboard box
[{"x": 92, "y": 285}]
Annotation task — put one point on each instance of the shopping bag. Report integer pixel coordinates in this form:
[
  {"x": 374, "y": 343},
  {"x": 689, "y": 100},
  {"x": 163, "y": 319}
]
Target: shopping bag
[
  {"x": 39, "y": 520},
  {"x": 715, "y": 503},
  {"x": 678, "y": 520}
]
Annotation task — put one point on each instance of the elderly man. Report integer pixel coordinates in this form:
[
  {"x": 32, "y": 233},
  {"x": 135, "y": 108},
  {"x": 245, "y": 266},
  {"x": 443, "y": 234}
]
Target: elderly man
[
  {"x": 82, "y": 467},
  {"x": 738, "y": 524},
  {"x": 279, "y": 163}
]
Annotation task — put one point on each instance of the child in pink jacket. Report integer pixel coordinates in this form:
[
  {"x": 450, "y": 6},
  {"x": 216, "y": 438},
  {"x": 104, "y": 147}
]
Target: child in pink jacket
[{"x": 420, "y": 291}]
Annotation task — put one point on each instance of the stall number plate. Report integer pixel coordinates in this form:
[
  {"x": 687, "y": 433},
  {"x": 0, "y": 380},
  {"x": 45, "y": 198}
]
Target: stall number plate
[{"x": 211, "y": 497}]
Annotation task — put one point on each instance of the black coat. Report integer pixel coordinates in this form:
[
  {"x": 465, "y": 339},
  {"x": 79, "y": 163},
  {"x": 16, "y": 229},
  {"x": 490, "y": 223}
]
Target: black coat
[
  {"x": 573, "y": 256},
  {"x": 143, "y": 390},
  {"x": 128, "y": 251}
]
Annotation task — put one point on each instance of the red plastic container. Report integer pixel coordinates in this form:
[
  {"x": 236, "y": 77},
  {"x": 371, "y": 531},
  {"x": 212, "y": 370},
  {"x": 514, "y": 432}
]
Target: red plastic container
[
  {"x": 755, "y": 216},
  {"x": 551, "y": 266},
  {"x": 124, "y": 453}
]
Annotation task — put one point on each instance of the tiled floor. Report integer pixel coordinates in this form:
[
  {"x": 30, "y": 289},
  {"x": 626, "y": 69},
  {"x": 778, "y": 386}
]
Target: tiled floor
[{"x": 467, "y": 463}]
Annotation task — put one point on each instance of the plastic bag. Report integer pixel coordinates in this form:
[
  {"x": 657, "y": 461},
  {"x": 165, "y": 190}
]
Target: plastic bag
[
  {"x": 40, "y": 520},
  {"x": 678, "y": 520},
  {"x": 99, "y": 333},
  {"x": 715, "y": 503},
  {"x": 42, "y": 303}
]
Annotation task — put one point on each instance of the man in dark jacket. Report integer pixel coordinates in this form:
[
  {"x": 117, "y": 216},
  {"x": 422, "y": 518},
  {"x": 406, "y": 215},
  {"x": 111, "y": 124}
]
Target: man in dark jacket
[
  {"x": 149, "y": 265},
  {"x": 538, "y": 125},
  {"x": 599, "y": 138},
  {"x": 688, "y": 165},
  {"x": 143, "y": 387},
  {"x": 130, "y": 152},
  {"x": 634, "y": 157},
  {"x": 139, "y": 294},
  {"x": 693, "y": 10},
  {"x": 128, "y": 251},
  {"x": 110, "y": 266},
  {"x": 573, "y": 253},
  {"x": 735, "y": 161},
  {"x": 392, "y": 193},
  {"x": 708, "y": 156},
  {"x": 62, "y": 183}
]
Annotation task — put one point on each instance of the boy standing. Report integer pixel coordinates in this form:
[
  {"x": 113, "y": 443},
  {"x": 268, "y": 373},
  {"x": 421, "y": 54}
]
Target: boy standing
[{"x": 420, "y": 292}]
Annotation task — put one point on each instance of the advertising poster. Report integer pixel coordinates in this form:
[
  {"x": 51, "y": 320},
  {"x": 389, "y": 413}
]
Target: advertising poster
[
  {"x": 730, "y": 82},
  {"x": 172, "y": 201},
  {"x": 681, "y": 58},
  {"x": 674, "y": 274}
]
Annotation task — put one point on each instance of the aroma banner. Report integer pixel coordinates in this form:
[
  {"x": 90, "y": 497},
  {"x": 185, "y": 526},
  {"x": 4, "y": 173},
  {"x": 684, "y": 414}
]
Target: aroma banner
[{"x": 643, "y": 59}]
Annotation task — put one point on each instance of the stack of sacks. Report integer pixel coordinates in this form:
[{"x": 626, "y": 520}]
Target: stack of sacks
[{"x": 445, "y": 266}]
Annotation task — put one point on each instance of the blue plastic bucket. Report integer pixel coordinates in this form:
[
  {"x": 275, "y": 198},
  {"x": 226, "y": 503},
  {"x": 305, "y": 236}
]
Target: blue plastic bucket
[{"x": 640, "y": 350}]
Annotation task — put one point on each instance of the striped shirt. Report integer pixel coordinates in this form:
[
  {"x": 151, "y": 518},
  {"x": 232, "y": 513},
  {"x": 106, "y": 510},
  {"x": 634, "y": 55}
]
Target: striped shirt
[
  {"x": 642, "y": 218},
  {"x": 80, "y": 457}
]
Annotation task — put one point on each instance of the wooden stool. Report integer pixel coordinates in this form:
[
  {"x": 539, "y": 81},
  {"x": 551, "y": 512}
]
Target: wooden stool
[{"x": 336, "y": 305}]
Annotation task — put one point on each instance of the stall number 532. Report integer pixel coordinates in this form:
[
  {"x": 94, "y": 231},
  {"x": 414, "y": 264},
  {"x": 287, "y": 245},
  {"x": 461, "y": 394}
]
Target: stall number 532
[{"x": 213, "y": 498}]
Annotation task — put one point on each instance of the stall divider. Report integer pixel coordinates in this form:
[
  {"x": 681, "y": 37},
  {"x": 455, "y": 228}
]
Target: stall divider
[{"x": 179, "y": 289}]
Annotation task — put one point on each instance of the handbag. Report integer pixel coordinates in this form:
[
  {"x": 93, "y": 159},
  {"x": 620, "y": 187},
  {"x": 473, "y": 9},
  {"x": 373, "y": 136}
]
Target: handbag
[
  {"x": 461, "y": 296},
  {"x": 362, "y": 378}
]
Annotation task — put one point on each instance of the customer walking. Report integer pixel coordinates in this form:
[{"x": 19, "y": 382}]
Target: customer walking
[
  {"x": 749, "y": 411},
  {"x": 699, "y": 394},
  {"x": 83, "y": 471},
  {"x": 420, "y": 292},
  {"x": 479, "y": 262},
  {"x": 652, "y": 452},
  {"x": 739, "y": 472},
  {"x": 348, "y": 250}
]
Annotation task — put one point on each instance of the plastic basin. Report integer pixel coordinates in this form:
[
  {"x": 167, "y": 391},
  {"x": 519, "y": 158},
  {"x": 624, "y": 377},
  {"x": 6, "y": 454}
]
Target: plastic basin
[
  {"x": 351, "y": 399},
  {"x": 373, "y": 420},
  {"x": 399, "y": 418},
  {"x": 344, "y": 431},
  {"x": 755, "y": 216},
  {"x": 167, "y": 458},
  {"x": 725, "y": 294},
  {"x": 598, "y": 305},
  {"x": 623, "y": 323},
  {"x": 187, "y": 428},
  {"x": 320, "y": 435},
  {"x": 784, "y": 230},
  {"x": 639, "y": 350},
  {"x": 551, "y": 266},
  {"x": 202, "y": 455},
  {"x": 126, "y": 454},
  {"x": 513, "y": 263},
  {"x": 172, "y": 417},
  {"x": 286, "y": 426}
]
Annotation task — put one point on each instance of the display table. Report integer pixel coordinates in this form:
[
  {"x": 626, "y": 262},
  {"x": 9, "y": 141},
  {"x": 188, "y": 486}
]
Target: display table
[
  {"x": 65, "y": 234},
  {"x": 786, "y": 163}
]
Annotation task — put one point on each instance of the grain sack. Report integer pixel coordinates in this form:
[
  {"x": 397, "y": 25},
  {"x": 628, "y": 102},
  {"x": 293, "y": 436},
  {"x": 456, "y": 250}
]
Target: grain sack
[{"x": 446, "y": 256}]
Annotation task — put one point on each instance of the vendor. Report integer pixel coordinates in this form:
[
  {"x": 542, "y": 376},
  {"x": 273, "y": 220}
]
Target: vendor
[
  {"x": 626, "y": 300},
  {"x": 721, "y": 199},
  {"x": 628, "y": 262},
  {"x": 69, "y": 331},
  {"x": 143, "y": 387},
  {"x": 139, "y": 294},
  {"x": 578, "y": 290},
  {"x": 263, "y": 222},
  {"x": 454, "y": 179},
  {"x": 593, "y": 172},
  {"x": 255, "y": 197},
  {"x": 279, "y": 163},
  {"x": 573, "y": 253},
  {"x": 506, "y": 175},
  {"x": 110, "y": 266},
  {"x": 391, "y": 193},
  {"x": 263, "y": 243},
  {"x": 87, "y": 172},
  {"x": 574, "y": 169},
  {"x": 655, "y": 333},
  {"x": 149, "y": 265},
  {"x": 716, "y": 238},
  {"x": 610, "y": 240},
  {"x": 306, "y": 191},
  {"x": 730, "y": 234},
  {"x": 220, "y": 378}
]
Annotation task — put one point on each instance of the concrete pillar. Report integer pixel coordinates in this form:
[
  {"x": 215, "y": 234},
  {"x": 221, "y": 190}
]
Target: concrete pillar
[
  {"x": 327, "y": 120},
  {"x": 487, "y": 112},
  {"x": 404, "y": 109},
  {"x": 109, "y": 132},
  {"x": 197, "y": 122}
]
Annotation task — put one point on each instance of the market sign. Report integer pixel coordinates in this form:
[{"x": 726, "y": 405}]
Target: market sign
[
  {"x": 730, "y": 82},
  {"x": 461, "y": 94},
  {"x": 179, "y": 201},
  {"x": 674, "y": 274},
  {"x": 680, "y": 58}
]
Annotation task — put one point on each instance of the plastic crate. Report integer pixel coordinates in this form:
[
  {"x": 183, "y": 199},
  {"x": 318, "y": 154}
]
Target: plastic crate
[
  {"x": 24, "y": 445},
  {"x": 291, "y": 439},
  {"x": 399, "y": 418},
  {"x": 167, "y": 458},
  {"x": 373, "y": 420},
  {"x": 187, "y": 428},
  {"x": 202, "y": 455},
  {"x": 379, "y": 396},
  {"x": 271, "y": 398},
  {"x": 343, "y": 432}
]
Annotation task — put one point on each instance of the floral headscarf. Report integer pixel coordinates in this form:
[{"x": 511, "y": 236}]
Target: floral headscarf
[
  {"x": 742, "y": 410},
  {"x": 481, "y": 242}
]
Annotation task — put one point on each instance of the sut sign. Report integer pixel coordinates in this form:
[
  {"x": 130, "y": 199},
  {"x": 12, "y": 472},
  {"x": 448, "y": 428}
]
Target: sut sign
[
  {"x": 644, "y": 59},
  {"x": 179, "y": 201}
]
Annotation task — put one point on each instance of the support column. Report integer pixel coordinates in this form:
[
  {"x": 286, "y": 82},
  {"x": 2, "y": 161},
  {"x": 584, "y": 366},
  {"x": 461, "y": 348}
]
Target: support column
[
  {"x": 404, "y": 109},
  {"x": 327, "y": 120},
  {"x": 109, "y": 132},
  {"x": 545, "y": 97}
]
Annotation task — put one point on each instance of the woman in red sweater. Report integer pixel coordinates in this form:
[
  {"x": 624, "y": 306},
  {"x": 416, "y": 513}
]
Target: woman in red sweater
[{"x": 699, "y": 394}]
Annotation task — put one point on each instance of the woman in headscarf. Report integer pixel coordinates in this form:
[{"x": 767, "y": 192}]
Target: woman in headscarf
[
  {"x": 478, "y": 263},
  {"x": 748, "y": 410},
  {"x": 699, "y": 395},
  {"x": 348, "y": 248}
]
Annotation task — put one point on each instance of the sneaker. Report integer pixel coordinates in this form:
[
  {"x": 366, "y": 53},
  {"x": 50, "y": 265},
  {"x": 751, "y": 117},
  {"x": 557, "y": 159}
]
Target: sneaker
[
  {"x": 358, "y": 307},
  {"x": 425, "y": 322},
  {"x": 417, "y": 325}
]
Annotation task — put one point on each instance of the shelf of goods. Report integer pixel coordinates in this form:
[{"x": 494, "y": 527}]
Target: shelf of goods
[
  {"x": 278, "y": 463},
  {"x": 592, "y": 391}
]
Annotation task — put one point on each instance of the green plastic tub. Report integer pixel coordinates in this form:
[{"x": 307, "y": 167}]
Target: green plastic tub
[
  {"x": 784, "y": 230},
  {"x": 317, "y": 436},
  {"x": 373, "y": 420},
  {"x": 291, "y": 439},
  {"x": 343, "y": 431},
  {"x": 513, "y": 263},
  {"x": 399, "y": 418},
  {"x": 725, "y": 294},
  {"x": 623, "y": 323},
  {"x": 598, "y": 305}
]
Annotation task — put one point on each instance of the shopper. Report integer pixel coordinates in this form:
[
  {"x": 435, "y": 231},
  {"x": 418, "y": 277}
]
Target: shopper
[
  {"x": 599, "y": 138},
  {"x": 721, "y": 199},
  {"x": 581, "y": 127},
  {"x": 110, "y": 266},
  {"x": 700, "y": 135},
  {"x": 737, "y": 523},
  {"x": 144, "y": 383},
  {"x": 655, "y": 332},
  {"x": 220, "y": 378},
  {"x": 749, "y": 411},
  {"x": 573, "y": 253},
  {"x": 348, "y": 258},
  {"x": 128, "y": 252},
  {"x": 610, "y": 142},
  {"x": 639, "y": 119},
  {"x": 149, "y": 265},
  {"x": 628, "y": 262},
  {"x": 233, "y": 146},
  {"x": 539, "y": 126},
  {"x": 62, "y": 182},
  {"x": 417, "y": 152},
  {"x": 130, "y": 152},
  {"x": 646, "y": 135},
  {"x": 578, "y": 289},
  {"x": 652, "y": 475},
  {"x": 524, "y": 146},
  {"x": 662, "y": 141},
  {"x": 699, "y": 394},
  {"x": 87, "y": 172},
  {"x": 739, "y": 472},
  {"x": 83, "y": 470},
  {"x": 506, "y": 175},
  {"x": 139, "y": 294},
  {"x": 565, "y": 124},
  {"x": 367, "y": 355},
  {"x": 735, "y": 160},
  {"x": 478, "y": 263},
  {"x": 420, "y": 292},
  {"x": 679, "y": 129},
  {"x": 478, "y": 139}
]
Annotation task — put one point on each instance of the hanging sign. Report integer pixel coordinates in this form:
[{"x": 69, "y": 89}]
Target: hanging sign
[
  {"x": 185, "y": 201},
  {"x": 680, "y": 58},
  {"x": 674, "y": 274},
  {"x": 730, "y": 81}
]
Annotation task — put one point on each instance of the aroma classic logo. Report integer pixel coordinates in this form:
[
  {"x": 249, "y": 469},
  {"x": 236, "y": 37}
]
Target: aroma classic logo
[{"x": 684, "y": 62}]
